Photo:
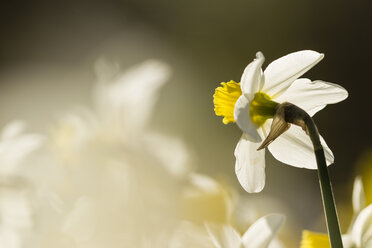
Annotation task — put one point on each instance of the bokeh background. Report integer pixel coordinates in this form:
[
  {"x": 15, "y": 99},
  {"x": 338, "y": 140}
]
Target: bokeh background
[{"x": 48, "y": 50}]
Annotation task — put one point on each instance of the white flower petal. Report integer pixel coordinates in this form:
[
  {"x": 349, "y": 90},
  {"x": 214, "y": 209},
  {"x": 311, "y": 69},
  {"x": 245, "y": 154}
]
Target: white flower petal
[
  {"x": 16, "y": 146},
  {"x": 280, "y": 74},
  {"x": 80, "y": 223},
  {"x": 202, "y": 184},
  {"x": 243, "y": 119},
  {"x": 347, "y": 241},
  {"x": 359, "y": 199},
  {"x": 188, "y": 235},
  {"x": 250, "y": 165},
  {"x": 13, "y": 129},
  {"x": 170, "y": 151},
  {"x": 10, "y": 238},
  {"x": 367, "y": 243},
  {"x": 362, "y": 229},
  {"x": 276, "y": 243},
  {"x": 224, "y": 236},
  {"x": 312, "y": 96},
  {"x": 263, "y": 231},
  {"x": 15, "y": 210},
  {"x": 251, "y": 78},
  {"x": 128, "y": 99},
  {"x": 294, "y": 147}
]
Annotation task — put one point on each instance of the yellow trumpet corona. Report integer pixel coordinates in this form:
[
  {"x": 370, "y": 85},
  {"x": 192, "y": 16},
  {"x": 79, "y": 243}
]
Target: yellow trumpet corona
[{"x": 225, "y": 97}]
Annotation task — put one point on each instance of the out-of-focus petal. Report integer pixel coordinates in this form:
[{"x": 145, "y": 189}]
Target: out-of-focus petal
[
  {"x": 13, "y": 129},
  {"x": 15, "y": 146},
  {"x": 276, "y": 243},
  {"x": 188, "y": 235},
  {"x": 294, "y": 147},
  {"x": 224, "y": 236},
  {"x": 14, "y": 151},
  {"x": 347, "y": 241},
  {"x": 252, "y": 76},
  {"x": 203, "y": 194},
  {"x": 263, "y": 231},
  {"x": 80, "y": 224},
  {"x": 312, "y": 96},
  {"x": 171, "y": 152},
  {"x": 250, "y": 165},
  {"x": 280, "y": 74},
  {"x": 202, "y": 184},
  {"x": 15, "y": 211},
  {"x": 243, "y": 119},
  {"x": 359, "y": 199},
  {"x": 362, "y": 229},
  {"x": 128, "y": 99},
  {"x": 10, "y": 239}
]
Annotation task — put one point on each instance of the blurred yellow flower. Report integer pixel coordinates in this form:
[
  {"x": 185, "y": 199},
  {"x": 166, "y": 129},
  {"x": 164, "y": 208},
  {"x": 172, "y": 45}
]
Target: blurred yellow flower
[{"x": 314, "y": 240}]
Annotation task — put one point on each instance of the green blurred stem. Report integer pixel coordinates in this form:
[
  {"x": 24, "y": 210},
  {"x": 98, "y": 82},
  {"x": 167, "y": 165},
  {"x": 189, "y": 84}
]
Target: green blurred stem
[{"x": 325, "y": 185}]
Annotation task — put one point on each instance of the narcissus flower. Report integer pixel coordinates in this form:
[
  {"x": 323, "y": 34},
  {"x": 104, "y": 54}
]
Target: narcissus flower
[{"x": 252, "y": 104}]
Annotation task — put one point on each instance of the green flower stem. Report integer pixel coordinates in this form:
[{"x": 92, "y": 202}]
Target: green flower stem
[
  {"x": 289, "y": 113},
  {"x": 325, "y": 186},
  {"x": 286, "y": 114}
]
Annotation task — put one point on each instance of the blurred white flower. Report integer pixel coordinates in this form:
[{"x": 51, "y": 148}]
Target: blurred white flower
[
  {"x": 187, "y": 234},
  {"x": 171, "y": 153},
  {"x": 124, "y": 100},
  {"x": 206, "y": 200},
  {"x": 15, "y": 207},
  {"x": 259, "y": 234},
  {"x": 105, "y": 180},
  {"x": 109, "y": 181},
  {"x": 358, "y": 197},
  {"x": 360, "y": 231},
  {"x": 248, "y": 208},
  {"x": 252, "y": 103},
  {"x": 15, "y": 146},
  {"x": 203, "y": 199},
  {"x": 15, "y": 217},
  {"x": 359, "y": 234}
]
